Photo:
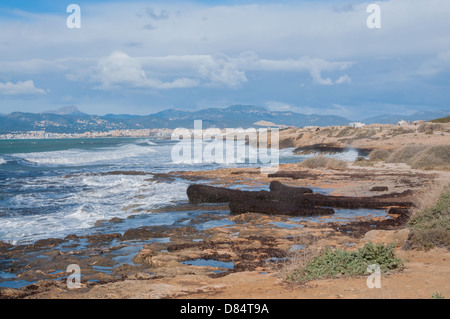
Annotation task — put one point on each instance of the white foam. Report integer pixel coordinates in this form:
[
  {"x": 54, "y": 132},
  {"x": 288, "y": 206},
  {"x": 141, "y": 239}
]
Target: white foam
[
  {"x": 2, "y": 161},
  {"x": 350, "y": 155},
  {"x": 74, "y": 157},
  {"x": 148, "y": 142},
  {"x": 100, "y": 197}
]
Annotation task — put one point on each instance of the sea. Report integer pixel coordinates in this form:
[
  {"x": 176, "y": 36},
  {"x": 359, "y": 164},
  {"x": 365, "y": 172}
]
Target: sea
[{"x": 56, "y": 187}]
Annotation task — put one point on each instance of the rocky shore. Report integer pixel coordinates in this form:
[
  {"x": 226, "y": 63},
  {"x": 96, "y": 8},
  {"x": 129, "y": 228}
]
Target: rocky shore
[{"x": 210, "y": 252}]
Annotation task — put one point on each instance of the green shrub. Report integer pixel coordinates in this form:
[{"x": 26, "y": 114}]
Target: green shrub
[
  {"x": 335, "y": 263},
  {"x": 430, "y": 226},
  {"x": 437, "y": 295}
]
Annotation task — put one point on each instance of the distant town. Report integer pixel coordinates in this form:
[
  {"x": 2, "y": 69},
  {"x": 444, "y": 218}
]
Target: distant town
[
  {"x": 155, "y": 133},
  {"x": 163, "y": 133}
]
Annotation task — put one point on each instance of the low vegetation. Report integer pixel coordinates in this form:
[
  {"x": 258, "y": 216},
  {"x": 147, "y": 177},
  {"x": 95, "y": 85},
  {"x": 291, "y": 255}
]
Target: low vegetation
[
  {"x": 405, "y": 153},
  {"x": 442, "y": 120},
  {"x": 346, "y": 131},
  {"x": 324, "y": 162},
  {"x": 336, "y": 263},
  {"x": 379, "y": 155},
  {"x": 433, "y": 157},
  {"x": 424, "y": 157},
  {"x": 430, "y": 223},
  {"x": 429, "y": 128}
]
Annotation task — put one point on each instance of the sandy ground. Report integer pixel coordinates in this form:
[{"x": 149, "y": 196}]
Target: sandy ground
[
  {"x": 425, "y": 274},
  {"x": 371, "y": 136}
]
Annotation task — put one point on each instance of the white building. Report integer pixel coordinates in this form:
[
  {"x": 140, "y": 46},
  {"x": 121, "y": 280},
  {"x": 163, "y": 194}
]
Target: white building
[{"x": 356, "y": 124}]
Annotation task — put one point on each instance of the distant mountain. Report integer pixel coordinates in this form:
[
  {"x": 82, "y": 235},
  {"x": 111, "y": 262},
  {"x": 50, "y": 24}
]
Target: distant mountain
[
  {"x": 71, "y": 120},
  {"x": 246, "y": 115},
  {"x": 394, "y": 118},
  {"x": 67, "y": 110}
]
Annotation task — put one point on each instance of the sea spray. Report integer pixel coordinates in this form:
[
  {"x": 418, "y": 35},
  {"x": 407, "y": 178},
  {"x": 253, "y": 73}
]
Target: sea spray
[{"x": 73, "y": 157}]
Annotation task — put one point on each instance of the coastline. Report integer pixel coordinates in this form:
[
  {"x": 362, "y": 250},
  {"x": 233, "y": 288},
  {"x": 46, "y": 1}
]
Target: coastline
[
  {"x": 205, "y": 252},
  {"x": 255, "y": 245}
]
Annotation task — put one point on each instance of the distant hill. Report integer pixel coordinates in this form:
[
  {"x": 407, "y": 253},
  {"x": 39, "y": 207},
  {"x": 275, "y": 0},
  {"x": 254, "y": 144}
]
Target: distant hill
[
  {"x": 442, "y": 120},
  {"x": 394, "y": 118},
  {"x": 67, "y": 110},
  {"x": 246, "y": 115},
  {"x": 71, "y": 120}
]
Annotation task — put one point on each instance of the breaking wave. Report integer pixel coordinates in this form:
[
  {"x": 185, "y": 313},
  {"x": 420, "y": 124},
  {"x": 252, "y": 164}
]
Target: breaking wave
[{"x": 74, "y": 157}]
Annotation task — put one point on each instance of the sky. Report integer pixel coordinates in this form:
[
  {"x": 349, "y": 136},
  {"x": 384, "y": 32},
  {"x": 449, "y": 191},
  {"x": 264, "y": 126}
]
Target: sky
[{"x": 141, "y": 57}]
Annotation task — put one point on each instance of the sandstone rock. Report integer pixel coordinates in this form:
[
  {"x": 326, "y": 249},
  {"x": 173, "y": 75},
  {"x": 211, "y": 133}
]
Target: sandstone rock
[{"x": 387, "y": 236}]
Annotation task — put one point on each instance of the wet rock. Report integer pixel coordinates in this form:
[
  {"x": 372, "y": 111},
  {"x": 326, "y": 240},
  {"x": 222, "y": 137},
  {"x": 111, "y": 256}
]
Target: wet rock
[
  {"x": 137, "y": 233},
  {"x": 48, "y": 242},
  {"x": 210, "y": 194},
  {"x": 272, "y": 207},
  {"x": 157, "y": 232},
  {"x": 101, "y": 238},
  {"x": 299, "y": 196},
  {"x": 379, "y": 189},
  {"x": 353, "y": 202},
  {"x": 283, "y": 191},
  {"x": 116, "y": 220},
  {"x": 329, "y": 149},
  {"x": 32, "y": 275},
  {"x": 71, "y": 237},
  {"x": 5, "y": 246}
]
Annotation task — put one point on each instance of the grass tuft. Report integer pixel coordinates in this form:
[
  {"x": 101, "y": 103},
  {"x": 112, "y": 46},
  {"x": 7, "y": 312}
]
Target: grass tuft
[
  {"x": 325, "y": 162},
  {"x": 405, "y": 153},
  {"x": 379, "y": 155},
  {"x": 430, "y": 223},
  {"x": 433, "y": 157}
]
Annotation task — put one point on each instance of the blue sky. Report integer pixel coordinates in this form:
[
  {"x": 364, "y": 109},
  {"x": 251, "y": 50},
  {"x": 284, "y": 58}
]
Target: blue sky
[{"x": 140, "y": 57}]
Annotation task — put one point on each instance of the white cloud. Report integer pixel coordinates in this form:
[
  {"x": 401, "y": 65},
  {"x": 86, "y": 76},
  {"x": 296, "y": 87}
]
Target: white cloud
[
  {"x": 19, "y": 88},
  {"x": 222, "y": 70},
  {"x": 435, "y": 65},
  {"x": 184, "y": 71},
  {"x": 119, "y": 69},
  {"x": 344, "y": 79}
]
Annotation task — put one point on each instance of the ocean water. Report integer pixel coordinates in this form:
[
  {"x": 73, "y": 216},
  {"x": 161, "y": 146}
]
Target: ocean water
[{"x": 53, "y": 188}]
